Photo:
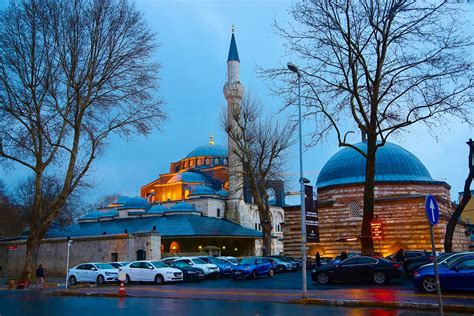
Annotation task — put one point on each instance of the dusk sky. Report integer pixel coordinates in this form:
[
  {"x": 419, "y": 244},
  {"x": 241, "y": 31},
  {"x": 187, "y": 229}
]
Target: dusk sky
[{"x": 195, "y": 37}]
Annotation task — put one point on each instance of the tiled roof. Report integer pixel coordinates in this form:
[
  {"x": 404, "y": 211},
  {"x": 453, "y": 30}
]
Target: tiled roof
[
  {"x": 167, "y": 226},
  {"x": 100, "y": 214},
  {"x": 393, "y": 164}
]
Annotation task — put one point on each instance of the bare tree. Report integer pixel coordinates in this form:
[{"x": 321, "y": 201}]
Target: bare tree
[
  {"x": 104, "y": 201},
  {"x": 72, "y": 73},
  {"x": 260, "y": 145},
  {"x": 453, "y": 220},
  {"x": 379, "y": 67},
  {"x": 12, "y": 222}
]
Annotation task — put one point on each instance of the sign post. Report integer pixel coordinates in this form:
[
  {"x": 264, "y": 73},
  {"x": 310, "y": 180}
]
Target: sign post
[
  {"x": 432, "y": 213},
  {"x": 377, "y": 232}
]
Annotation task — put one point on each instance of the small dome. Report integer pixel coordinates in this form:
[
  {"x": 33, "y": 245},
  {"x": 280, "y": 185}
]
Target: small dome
[
  {"x": 157, "y": 209},
  {"x": 188, "y": 177},
  {"x": 182, "y": 207},
  {"x": 94, "y": 214},
  {"x": 223, "y": 193},
  {"x": 208, "y": 150},
  {"x": 127, "y": 202},
  {"x": 392, "y": 164},
  {"x": 202, "y": 190}
]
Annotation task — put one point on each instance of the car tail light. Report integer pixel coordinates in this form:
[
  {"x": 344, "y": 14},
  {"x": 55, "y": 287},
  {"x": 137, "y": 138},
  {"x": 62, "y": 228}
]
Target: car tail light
[
  {"x": 397, "y": 265},
  {"x": 431, "y": 258}
]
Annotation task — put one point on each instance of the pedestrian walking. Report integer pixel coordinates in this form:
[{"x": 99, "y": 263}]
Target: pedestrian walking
[
  {"x": 400, "y": 257},
  {"x": 40, "y": 277},
  {"x": 344, "y": 256},
  {"x": 318, "y": 260}
]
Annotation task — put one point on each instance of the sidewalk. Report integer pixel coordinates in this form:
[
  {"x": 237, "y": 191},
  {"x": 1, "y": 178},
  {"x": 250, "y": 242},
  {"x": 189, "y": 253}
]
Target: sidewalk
[{"x": 386, "y": 298}]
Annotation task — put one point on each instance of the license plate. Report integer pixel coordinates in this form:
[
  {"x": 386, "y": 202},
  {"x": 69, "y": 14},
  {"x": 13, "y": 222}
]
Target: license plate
[{"x": 238, "y": 272}]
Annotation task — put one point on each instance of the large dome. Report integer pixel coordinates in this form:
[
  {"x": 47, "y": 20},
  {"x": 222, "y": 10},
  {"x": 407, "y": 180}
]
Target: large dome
[
  {"x": 208, "y": 150},
  {"x": 188, "y": 176},
  {"x": 393, "y": 164}
]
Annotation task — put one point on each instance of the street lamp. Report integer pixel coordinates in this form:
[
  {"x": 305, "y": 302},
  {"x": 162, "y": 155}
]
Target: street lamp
[
  {"x": 292, "y": 67},
  {"x": 69, "y": 243}
]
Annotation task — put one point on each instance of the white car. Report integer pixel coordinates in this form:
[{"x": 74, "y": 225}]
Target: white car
[
  {"x": 209, "y": 269},
  {"x": 92, "y": 272},
  {"x": 151, "y": 271}
]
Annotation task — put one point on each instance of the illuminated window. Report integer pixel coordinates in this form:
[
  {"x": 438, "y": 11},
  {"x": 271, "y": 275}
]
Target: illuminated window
[
  {"x": 199, "y": 162},
  {"x": 163, "y": 197},
  {"x": 354, "y": 209},
  {"x": 186, "y": 164},
  {"x": 225, "y": 162},
  {"x": 175, "y": 247},
  {"x": 208, "y": 162},
  {"x": 186, "y": 194},
  {"x": 169, "y": 195},
  {"x": 216, "y": 161},
  {"x": 191, "y": 163}
]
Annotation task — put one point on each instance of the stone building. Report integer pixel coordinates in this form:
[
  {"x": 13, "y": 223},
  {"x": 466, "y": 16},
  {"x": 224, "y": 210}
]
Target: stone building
[
  {"x": 196, "y": 205},
  {"x": 402, "y": 183}
]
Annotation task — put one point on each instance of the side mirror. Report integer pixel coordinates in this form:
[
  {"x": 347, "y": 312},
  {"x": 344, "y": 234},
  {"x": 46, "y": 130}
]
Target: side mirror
[
  {"x": 455, "y": 268},
  {"x": 94, "y": 269},
  {"x": 150, "y": 267}
]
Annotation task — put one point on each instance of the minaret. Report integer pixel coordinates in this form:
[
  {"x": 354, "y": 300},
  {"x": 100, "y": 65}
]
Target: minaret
[{"x": 234, "y": 92}]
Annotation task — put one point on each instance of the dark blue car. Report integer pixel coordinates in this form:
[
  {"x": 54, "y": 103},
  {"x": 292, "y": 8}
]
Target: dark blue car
[
  {"x": 458, "y": 275},
  {"x": 224, "y": 266},
  {"x": 252, "y": 267}
]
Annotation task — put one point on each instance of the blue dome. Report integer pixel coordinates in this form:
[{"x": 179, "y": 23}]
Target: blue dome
[
  {"x": 208, "y": 150},
  {"x": 188, "y": 177},
  {"x": 202, "y": 190},
  {"x": 157, "y": 209},
  {"x": 223, "y": 193},
  {"x": 127, "y": 202},
  {"x": 392, "y": 164},
  {"x": 182, "y": 207}
]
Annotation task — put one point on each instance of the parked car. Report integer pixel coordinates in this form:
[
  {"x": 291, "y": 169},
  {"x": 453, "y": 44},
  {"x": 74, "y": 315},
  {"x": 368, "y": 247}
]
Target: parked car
[
  {"x": 224, "y": 266},
  {"x": 252, "y": 267},
  {"x": 448, "y": 258},
  {"x": 337, "y": 259},
  {"x": 118, "y": 264},
  {"x": 458, "y": 275},
  {"x": 92, "y": 272},
  {"x": 295, "y": 262},
  {"x": 414, "y": 259},
  {"x": 169, "y": 259},
  {"x": 280, "y": 265},
  {"x": 357, "y": 269},
  {"x": 151, "y": 271},
  {"x": 209, "y": 269},
  {"x": 232, "y": 260},
  {"x": 189, "y": 272}
]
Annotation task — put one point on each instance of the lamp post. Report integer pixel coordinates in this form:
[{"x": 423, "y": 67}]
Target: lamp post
[
  {"x": 69, "y": 243},
  {"x": 292, "y": 67}
]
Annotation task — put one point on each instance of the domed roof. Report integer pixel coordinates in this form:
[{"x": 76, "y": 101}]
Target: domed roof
[
  {"x": 202, "y": 190},
  {"x": 208, "y": 150},
  {"x": 127, "y": 202},
  {"x": 182, "y": 207},
  {"x": 393, "y": 164},
  {"x": 223, "y": 193},
  {"x": 157, "y": 209},
  {"x": 188, "y": 177},
  {"x": 94, "y": 214}
]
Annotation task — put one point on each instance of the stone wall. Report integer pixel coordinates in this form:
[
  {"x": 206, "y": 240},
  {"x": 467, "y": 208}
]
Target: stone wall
[
  {"x": 53, "y": 252},
  {"x": 401, "y": 208}
]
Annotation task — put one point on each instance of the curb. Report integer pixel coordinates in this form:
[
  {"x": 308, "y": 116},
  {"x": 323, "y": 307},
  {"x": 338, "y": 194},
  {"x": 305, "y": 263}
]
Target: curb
[{"x": 404, "y": 305}]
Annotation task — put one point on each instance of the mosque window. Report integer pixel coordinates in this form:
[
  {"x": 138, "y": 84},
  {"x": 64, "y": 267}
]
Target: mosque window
[
  {"x": 191, "y": 163},
  {"x": 186, "y": 164},
  {"x": 216, "y": 162},
  {"x": 354, "y": 209},
  {"x": 199, "y": 162},
  {"x": 208, "y": 162},
  {"x": 271, "y": 196},
  {"x": 256, "y": 226},
  {"x": 218, "y": 212},
  {"x": 174, "y": 196},
  {"x": 141, "y": 254},
  {"x": 225, "y": 162}
]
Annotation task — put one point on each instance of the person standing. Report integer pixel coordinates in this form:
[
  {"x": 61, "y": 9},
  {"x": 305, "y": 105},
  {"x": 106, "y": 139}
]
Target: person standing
[
  {"x": 344, "y": 256},
  {"x": 40, "y": 277},
  {"x": 318, "y": 260},
  {"x": 400, "y": 257}
]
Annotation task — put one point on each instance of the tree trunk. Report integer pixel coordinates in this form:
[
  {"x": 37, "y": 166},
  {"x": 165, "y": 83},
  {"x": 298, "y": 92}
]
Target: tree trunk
[
  {"x": 267, "y": 239},
  {"x": 453, "y": 220},
  {"x": 31, "y": 258},
  {"x": 367, "y": 245}
]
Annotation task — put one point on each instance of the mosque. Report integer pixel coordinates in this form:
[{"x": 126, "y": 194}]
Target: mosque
[
  {"x": 402, "y": 184},
  {"x": 198, "y": 206}
]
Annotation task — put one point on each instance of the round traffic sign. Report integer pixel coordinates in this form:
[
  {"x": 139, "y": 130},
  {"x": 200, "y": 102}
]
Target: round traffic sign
[{"x": 432, "y": 210}]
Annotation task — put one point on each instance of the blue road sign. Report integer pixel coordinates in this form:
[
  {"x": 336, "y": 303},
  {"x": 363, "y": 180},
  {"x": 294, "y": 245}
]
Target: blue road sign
[{"x": 432, "y": 210}]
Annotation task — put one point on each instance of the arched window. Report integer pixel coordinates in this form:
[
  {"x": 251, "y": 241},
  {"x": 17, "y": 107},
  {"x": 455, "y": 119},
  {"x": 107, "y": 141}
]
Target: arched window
[
  {"x": 175, "y": 247},
  {"x": 225, "y": 161},
  {"x": 141, "y": 254},
  {"x": 216, "y": 162},
  {"x": 186, "y": 164},
  {"x": 208, "y": 161},
  {"x": 354, "y": 209},
  {"x": 199, "y": 163}
]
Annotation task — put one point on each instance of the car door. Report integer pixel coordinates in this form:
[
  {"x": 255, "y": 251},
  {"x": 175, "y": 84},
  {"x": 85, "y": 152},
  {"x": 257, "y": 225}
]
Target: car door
[
  {"x": 345, "y": 271},
  {"x": 364, "y": 269},
  {"x": 93, "y": 273},
  {"x": 79, "y": 273},
  {"x": 259, "y": 266},
  {"x": 461, "y": 275},
  {"x": 147, "y": 271},
  {"x": 135, "y": 271}
]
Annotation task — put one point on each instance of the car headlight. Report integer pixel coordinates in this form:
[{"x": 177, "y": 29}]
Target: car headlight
[
  {"x": 169, "y": 272},
  {"x": 110, "y": 273}
]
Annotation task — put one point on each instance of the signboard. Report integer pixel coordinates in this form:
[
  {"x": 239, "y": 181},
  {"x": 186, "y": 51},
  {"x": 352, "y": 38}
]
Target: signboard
[
  {"x": 12, "y": 247},
  {"x": 377, "y": 229},
  {"x": 312, "y": 224},
  {"x": 432, "y": 210}
]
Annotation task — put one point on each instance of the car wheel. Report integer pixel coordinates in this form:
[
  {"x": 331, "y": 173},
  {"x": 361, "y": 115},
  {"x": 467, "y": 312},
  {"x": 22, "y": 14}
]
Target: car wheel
[
  {"x": 379, "y": 277},
  {"x": 159, "y": 279},
  {"x": 72, "y": 280},
  {"x": 323, "y": 278},
  {"x": 429, "y": 284},
  {"x": 100, "y": 279},
  {"x": 254, "y": 275},
  {"x": 271, "y": 273},
  {"x": 127, "y": 279}
]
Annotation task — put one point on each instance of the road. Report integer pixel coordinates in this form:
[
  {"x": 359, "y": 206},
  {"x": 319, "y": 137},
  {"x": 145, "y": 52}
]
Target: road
[{"x": 15, "y": 303}]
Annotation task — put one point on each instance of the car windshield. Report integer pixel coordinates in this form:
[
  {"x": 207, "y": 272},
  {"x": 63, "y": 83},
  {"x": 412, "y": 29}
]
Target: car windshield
[
  {"x": 248, "y": 261},
  {"x": 159, "y": 264},
  {"x": 104, "y": 266},
  {"x": 442, "y": 257},
  {"x": 453, "y": 258},
  {"x": 180, "y": 264},
  {"x": 198, "y": 261},
  {"x": 231, "y": 260},
  {"x": 217, "y": 260},
  {"x": 206, "y": 260}
]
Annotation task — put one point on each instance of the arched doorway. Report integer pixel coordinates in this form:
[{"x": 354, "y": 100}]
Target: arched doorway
[
  {"x": 175, "y": 247},
  {"x": 141, "y": 254}
]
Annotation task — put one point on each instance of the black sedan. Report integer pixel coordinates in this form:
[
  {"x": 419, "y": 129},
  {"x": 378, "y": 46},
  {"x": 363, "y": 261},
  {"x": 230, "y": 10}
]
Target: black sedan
[
  {"x": 189, "y": 273},
  {"x": 357, "y": 269}
]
